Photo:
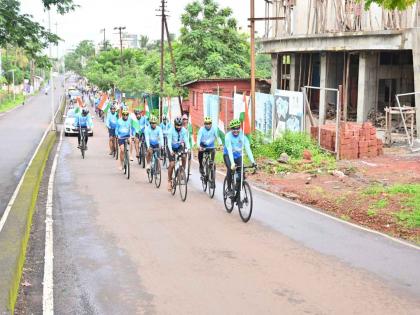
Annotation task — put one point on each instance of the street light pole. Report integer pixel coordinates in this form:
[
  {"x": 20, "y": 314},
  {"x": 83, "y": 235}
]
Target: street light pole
[
  {"x": 120, "y": 29},
  {"x": 13, "y": 79}
]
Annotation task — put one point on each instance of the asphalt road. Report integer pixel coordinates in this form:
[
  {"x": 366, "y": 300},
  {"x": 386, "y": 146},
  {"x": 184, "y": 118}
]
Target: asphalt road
[
  {"x": 124, "y": 247},
  {"x": 20, "y": 133}
]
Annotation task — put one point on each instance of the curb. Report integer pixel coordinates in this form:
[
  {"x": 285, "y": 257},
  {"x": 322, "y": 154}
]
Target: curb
[{"x": 15, "y": 234}]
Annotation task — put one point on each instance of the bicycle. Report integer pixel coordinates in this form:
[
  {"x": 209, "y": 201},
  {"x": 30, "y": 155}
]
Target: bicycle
[
  {"x": 126, "y": 163},
  {"x": 189, "y": 156},
  {"x": 155, "y": 171},
  {"x": 208, "y": 180},
  {"x": 142, "y": 151},
  {"x": 241, "y": 197},
  {"x": 178, "y": 176},
  {"x": 82, "y": 145}
]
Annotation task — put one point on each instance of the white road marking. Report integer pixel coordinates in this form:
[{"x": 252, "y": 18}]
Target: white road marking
[
  {"x": 15, "y": 193},
  {"x": 330, "y": 216},
  {"x": 48, "y": 283}
]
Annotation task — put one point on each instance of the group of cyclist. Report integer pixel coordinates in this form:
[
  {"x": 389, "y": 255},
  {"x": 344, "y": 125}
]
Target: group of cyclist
[{"x": 175, "y": 139}]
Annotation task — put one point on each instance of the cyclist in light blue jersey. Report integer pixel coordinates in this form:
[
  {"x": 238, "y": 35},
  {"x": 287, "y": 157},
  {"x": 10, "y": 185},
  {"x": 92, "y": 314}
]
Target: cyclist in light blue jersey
[
  {"x": 206, "y": 139},
  {"x": 177, "y": 142},
  {"x": 123, "y": 132},
  {"x": 111, "y": 124},
  {"x": 232, "y": 153},
  {"x": 154, "y": 138},
  {"x": 84, "y": 121},
  {"x": 166, "y": 128}
]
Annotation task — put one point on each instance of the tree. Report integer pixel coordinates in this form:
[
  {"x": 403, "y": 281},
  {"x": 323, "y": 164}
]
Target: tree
[
  {"x": 210, "y": 45},
  {"x": 144, "y": 41},
  {"x": 391, "y": 4},
  {"x": 63, "y": 6}
]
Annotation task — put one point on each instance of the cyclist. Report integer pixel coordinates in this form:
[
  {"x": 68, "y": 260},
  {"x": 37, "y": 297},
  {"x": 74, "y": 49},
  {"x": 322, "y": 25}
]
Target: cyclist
[
  {"x": 185, "y": 125},
  {"x": 111, "y": 123},
  {"x": 166, "y": 128},
  {"x": 123, "y": 132},
  {"x": 137, "y": 134},
  {"x": 154, "y": 139},
  {"x": 177, "y": 140},
  {"x": 206, "y": 138},
  {"x": 232, "y": 153},
  {"x": 84, "y": 121}
]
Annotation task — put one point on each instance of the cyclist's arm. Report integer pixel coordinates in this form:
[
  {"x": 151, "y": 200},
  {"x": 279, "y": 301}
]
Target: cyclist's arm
[
  {"x": 216, "y": 134},
  {"x": 160, "y": 137},
  {"x": 170, "y": 141},
  {"x": 199, "y": 136},
  {"x": 147, "y": 136},
  {"x": 228, "y": 144},
  {"x": 186, "y": 140},
  {"x": 248, "y": 150},
  {"x": 90, "y": 122},
  {"x": 108, "y": 121},
  {"x": 117, "y": 127},
  {"x": 76, "y": 121}
]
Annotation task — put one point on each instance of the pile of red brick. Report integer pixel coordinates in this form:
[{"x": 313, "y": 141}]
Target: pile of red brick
[{"x": 356, "y": 140}]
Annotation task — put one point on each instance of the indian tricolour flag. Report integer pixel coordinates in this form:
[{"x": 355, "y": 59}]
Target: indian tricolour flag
[
  {"x": 244, "y": 117},
  {"x": 134, "y": 123},
  {"x": 221, "y": 131},
  {"x": 103, "y": 102},
  {"x": 146, "y": 108}
]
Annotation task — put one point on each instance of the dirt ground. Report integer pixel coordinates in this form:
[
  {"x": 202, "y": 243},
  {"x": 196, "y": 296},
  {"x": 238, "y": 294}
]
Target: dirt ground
[{"x": 345, "y": 197}]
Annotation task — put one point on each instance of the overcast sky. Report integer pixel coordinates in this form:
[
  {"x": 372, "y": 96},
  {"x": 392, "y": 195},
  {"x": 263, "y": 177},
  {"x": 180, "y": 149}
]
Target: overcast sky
[{"x": 139, "y": 16}]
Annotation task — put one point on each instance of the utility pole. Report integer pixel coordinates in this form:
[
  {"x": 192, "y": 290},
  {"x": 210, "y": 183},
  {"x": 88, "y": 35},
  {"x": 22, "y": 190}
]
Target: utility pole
[
  {"x": 103, "y": 30},
  {"x": 162, "y": 53},
  {"x": 253, "y": 105},
  {"x": 56, "y": 33},
  {"x": 120, "y": 29}
]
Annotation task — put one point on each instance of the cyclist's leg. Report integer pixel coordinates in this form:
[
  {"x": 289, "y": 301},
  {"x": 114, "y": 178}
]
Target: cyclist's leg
[
  {"x": 228, "y": 170},
  {"x": 200, "y": 162},
  {"x": 149, "y": 157},
  {"x": 212, "y": 155},
  {"x": 121, "y": 145},
  {"x": 132, "y": 148},
  {"x": 137, "y": 145},
  {"x": 86, "y": 135},
  {"x": 78, "y": 138},
  {"x": 238, "y": 162},
  {"x": 170, "y": 168}
]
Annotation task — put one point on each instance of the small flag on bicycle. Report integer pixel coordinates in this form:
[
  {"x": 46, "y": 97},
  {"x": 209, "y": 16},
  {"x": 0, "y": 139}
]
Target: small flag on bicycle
[
  {"x": 134, "y": 122},
  {"x": 221, "y": 131}
]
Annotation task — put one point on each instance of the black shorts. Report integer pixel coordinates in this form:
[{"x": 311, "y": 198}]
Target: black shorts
[
  {"x": 111, "y": 132},
  {"x": 168, "y": 153}
]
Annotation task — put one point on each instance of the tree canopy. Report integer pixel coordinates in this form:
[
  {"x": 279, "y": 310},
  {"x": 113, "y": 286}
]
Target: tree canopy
[{"x": 391, "y": 4}]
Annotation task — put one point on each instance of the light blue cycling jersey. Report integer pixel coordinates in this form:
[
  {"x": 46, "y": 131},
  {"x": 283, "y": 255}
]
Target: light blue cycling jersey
[
  {"x": 233, "y": 147},
  {"x": 83, "y": 121},
  {"x": 154, "y": 137},
  {"x": 144, "y": 122},
  {"x": 123, "y": 129},
  {"x": 111, "y": 120},
  {"x": 175, "y": 139},
  {"x": 166, "y": 128},
  {"x": 207, "y": 138}
]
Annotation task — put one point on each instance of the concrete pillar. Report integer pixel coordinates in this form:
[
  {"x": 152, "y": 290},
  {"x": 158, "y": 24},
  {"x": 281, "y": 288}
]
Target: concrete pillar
[
  {"x": 367, "y": 85},
  {"x": 274, "y": 73},
  {"x": 323, "y": 84},
  {"x": 293, "y": 72},
  {"x": 416, "y": 69}
]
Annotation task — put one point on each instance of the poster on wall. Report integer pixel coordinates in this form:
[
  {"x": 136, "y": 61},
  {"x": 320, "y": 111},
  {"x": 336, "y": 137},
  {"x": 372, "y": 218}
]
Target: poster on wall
[
  {"x": 264, "y": 112},
  {"x": 288, "y": 112},
  {"x": 211, "y": 106}
]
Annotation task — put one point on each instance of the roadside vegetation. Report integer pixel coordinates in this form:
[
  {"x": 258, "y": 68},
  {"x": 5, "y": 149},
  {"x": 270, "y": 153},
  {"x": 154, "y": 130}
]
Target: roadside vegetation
[{"x": 7, "y": 102}]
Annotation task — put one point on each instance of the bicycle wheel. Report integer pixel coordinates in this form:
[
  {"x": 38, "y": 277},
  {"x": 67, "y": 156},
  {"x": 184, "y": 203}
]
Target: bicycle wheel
[
  {"x": 204, "y": 177},
  {"x": 212, "y": 180},
  {"x": 150, "y": 172},
  {"x": 188, "y": 167},
  {"x": 128, "y": 167},
  {"x": 158, "y": 173},
  {"x": 82, "y": 147},
  {"x": 174, "y": 181},
  {"x": 228, "y": 201},
  {"x": 182, "y": 183},
  {"x": 143, "y": 155},
  {"x": 245, "y": 203}
]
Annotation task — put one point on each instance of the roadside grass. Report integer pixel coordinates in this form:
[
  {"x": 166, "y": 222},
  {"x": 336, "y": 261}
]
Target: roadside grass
[
  {"x": 408, "y": 195},
  {"x": 8, "y": 103},
  {"x": 372, "y": 213}
]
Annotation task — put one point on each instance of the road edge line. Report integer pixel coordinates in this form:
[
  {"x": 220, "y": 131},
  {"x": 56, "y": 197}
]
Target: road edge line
[
  {"x": 48, "y": 279},
  {"x": 319, "y": 212}
]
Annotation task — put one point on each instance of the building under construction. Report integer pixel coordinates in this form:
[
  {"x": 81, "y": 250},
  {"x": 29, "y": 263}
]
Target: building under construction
[{"x": 372, "y": 55}]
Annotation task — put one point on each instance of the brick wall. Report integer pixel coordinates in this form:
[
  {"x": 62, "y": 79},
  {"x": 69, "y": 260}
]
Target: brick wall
[{"x": 356, "y": 140}]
